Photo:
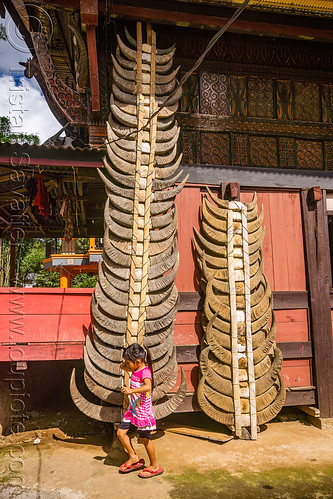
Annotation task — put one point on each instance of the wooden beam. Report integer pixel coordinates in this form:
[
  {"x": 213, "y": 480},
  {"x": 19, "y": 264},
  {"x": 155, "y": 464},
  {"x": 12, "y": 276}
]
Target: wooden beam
[
  {"x": 189, "y": 354},
  {"x": 283, "y": 300},
  {"x": 93, "y": 70},
  {"x": 12, "y": 261},
  {"x": 317, "y": 271}
]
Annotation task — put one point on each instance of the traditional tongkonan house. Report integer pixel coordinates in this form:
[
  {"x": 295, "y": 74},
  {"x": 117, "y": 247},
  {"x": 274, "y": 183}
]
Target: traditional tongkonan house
[{"x": 205, "y": 165}]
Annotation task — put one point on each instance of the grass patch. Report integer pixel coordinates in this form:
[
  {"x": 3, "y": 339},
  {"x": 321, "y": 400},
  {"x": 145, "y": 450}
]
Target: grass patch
[{"x": 293, "y": 483}]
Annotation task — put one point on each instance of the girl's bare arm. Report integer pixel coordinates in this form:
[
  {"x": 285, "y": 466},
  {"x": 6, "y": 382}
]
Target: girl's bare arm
[{"x": 146, "y": 387}]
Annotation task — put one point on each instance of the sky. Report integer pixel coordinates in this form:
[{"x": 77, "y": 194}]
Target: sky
[{"x": 21, "y": 98}]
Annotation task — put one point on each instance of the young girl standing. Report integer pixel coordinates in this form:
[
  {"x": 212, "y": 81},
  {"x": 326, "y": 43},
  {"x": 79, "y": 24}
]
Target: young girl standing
[{"x": 139, "y": 416}]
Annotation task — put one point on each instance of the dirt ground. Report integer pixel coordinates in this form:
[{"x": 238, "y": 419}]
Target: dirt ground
[{"x": 73, "y": 458}]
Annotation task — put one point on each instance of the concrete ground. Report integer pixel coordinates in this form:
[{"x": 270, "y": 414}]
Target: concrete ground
[{"x": 73, "y": 458}]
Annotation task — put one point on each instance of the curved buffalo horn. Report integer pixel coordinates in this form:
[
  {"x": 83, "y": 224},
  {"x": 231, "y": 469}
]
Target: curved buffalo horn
[
  {"x": 257, "y": 223},
  {"x": 160, "y": 208},
  {"x": 119, "y": 133},
  {"x": 111, "y": 292},
  {"x": 157, "y": 324},
  {"x": 104, "y": 335},
  {"x": 276, "y": 405},
  {"x": 129, "y": 86},
  {"x": 159, "y": 185},
  {"x": 214, "y": 222},
  {"x": 113, "y": 353},
  {"x": 122, "y": 218},
  {"x": 114, "y": 253},
  {"x": 166, "y": 232},
  {"x": 169, "y": 260},
  {"x": 162, "y": 349},
  {"x": 208, "y": 246},
  {"x": 128, "y": 156},
  {"x": 112, "y": 308},
  {"x": 156, "y": 285},
  {"x": 220, "y": 202},
  {"x": 104, "y": 379},
  {"x": 166, "y": 158},
  {"x": 119, "y": 163},
  {"x": 252, "y": 205},
  {"x": 170, "y": 193},
  {"x": 117, "y": 326},
  {"x": 99, "y": 412},
  {"x": 168, "y": 407},
  {"x": 132, "y": 42},
  {"x": 123, "y": 132},
  {"x": 159, "y": 391},
  {"x": 220, "y": 213},
  {"x": 114, "y": 188},
  {"x": 115, "y": 228},
  {"x": 156, "y": 298},
  {"x": 126, "y": 180},
  {"x": 100, "y": 361},
  {"x": 155, "y": 338},
  {"x": 211, "y": 409},
  {"x": 121, "y": 204},
  {"x": 164, "y": 147},
  {"x": 124, "y": 62},
  {"x": 110, "y": 396},
  {"x": 167, "y": 171},
  {"x": 119, "y": 114},
  {"x": 160, "y": 221},
  {"x": 160, "y": 246},
  {"x": 158, "y": 311},
  {"x": 131, "y": 54}
]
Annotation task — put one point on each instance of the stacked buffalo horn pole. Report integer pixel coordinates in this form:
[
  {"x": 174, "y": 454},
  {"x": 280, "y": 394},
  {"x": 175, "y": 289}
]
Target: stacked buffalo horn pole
[
  {"x": 240, "y": 384},
  {"x": 136, "y": 299}
]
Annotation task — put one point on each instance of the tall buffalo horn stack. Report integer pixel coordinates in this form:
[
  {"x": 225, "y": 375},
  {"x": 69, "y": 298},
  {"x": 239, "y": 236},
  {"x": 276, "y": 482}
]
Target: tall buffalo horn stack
[
  {"x": 240, "y": 384},
  {"x": 136, "y": 299}
]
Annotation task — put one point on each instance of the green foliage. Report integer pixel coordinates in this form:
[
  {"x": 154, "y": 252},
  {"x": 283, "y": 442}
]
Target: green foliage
[
  {"x": 84, "y": 281},
  {"x": 29, "y": 266},
  {"x": 3, "y": 34},
  {"x": 6, "y": 134}
]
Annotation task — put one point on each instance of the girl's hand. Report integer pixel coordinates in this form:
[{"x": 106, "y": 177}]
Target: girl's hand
[{"x": 126, "y": 390}]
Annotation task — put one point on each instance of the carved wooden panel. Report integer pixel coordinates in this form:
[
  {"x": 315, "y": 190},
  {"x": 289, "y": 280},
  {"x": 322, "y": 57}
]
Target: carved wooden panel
[
  {"x": 327, "y": 103},
  {"x": 215, "y": 148},
  {"x": 238, "y": 96},
  {"x": 260, "y": 98},
  {"x": 189, "y": 102},
  {"x": 287, "y": 152},
  {"x": 190, "y": 147},
  {"x": 307, "y": 107},
  {"x": 263, "y": 151},
  {"x": 239, "y": 149},
  {"x": 213, "y": 90},
  {"x": 284, "y": 99},
  {"x": 309, "y": 154},
  {"x": 328, "y": 154}
]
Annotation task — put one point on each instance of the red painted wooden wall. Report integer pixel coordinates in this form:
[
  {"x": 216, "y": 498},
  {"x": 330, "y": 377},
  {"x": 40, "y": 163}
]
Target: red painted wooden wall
[{"x": 54, "y": 321}]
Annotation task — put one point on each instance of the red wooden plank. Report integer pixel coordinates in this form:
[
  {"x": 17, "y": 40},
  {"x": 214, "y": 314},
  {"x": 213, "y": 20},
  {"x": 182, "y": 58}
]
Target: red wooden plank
[
  {"x": 93, "y": 69},
  {"x": 294, "y": 331},
  {"x": 39, "y": 328},
  {"x": 42, "y": 351},
  {"x": 280, "y": 247},
  {"x": 188, "y": 334},
  {"x": 296, "y": 372},
  {"x": 294, "y": 237},
  {"x": 188, "y": 317},
  {"x": 188, "y": 203},
  {"x": 269, "y": 269},
  {"x": 295, "y": 315}
]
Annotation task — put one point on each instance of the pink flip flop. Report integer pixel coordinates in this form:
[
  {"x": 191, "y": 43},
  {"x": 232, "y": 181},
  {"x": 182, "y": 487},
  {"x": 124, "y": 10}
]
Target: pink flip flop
[
  {"x": 159, "y": 471},
  {"x": 127, "y": 468}
]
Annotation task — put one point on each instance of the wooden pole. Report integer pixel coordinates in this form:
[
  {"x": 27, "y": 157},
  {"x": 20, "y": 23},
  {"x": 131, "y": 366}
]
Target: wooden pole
[
  {"x": 318, "y": 269},
  {"x": 12, "y": 262}
]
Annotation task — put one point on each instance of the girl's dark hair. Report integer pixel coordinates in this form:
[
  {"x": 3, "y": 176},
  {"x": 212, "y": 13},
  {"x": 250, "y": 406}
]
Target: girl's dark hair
[{"x": 136, "y": 351}]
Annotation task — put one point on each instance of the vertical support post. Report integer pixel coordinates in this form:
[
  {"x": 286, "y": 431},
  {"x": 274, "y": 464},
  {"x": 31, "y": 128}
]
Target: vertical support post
[
  {"x": 91, "y": 243},
  {"x": 65, "y": 278},
  {"x": 12, "y": 261},
  {"x": 318, "y": 271}
]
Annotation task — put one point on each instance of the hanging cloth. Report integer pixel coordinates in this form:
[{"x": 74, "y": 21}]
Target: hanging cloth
[{"x": 42, "y": 198}]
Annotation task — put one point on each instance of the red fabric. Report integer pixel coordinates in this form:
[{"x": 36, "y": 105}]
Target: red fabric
[{"x": 42, "y": 199}]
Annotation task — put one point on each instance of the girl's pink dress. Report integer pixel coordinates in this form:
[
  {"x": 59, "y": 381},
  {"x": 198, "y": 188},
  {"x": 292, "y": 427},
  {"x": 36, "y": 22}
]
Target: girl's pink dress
[{"x": 140, "y": 412}]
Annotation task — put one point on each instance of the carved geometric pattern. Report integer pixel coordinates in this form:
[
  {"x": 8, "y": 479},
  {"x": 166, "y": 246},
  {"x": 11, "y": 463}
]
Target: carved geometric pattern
[
  {"x": 327, "y": 103},
  {"x": 328, "y": 152},
  {"x": 215, "y": 149},
  {"x": 213, "y": 89},
  {"x": 287, "y": 152},
  {"x": 189, "y": 102},
  {"x": 309, "y": 154},
  {"x": 260, "y": 98},
  {"x": 263, "y": 151},
  {"x": 238, "y": 96},
  {"x": 239, "y": 150},
  {"x": 307, "y": 106},
  {"x": 284, "y": 99},
  {"x": 190, "y": 147}
]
